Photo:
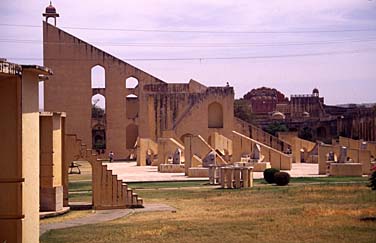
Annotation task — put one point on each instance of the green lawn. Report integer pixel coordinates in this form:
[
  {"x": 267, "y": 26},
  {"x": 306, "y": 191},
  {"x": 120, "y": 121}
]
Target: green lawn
[{"x": 331, "y": 211}]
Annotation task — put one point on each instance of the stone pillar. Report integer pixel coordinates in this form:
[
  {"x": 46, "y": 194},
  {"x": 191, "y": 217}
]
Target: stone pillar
[
  {"x": 51, "y": 166},
  {"x": 229, "y": 176},
  {"x": 19, "y": 147},
  {"x": 237, "y": 177},
  {"x": 247, "y": 175},
  {"x": 188, "y": 153}
]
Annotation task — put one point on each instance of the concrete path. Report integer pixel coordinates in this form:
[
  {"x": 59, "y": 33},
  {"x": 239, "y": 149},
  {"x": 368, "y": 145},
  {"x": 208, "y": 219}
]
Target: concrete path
[
  {"x": 130, "y": 172},
  {"x": 104, "y": 215}
]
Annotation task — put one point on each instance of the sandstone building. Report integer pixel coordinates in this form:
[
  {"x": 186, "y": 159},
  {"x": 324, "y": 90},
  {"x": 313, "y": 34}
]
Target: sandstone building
[
  {"x": 149, "y": 108},
  {"x": 310, "y": 116},
  {"x": 19, "y": 145}
]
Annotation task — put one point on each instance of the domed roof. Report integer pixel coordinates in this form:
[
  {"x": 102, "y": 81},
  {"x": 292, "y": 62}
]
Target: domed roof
[
  {"x": 315, "y": 91},
  {"x": 50, "y": 8},
  {"x": 278, "y": 115}
]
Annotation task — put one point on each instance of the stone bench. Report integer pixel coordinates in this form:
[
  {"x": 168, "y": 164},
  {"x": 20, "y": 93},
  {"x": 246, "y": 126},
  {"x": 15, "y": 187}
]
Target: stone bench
[
  {"x": 72, "y": 166},
  {"x": 235, "y": 177},
  {"x": 198, "y": 172},
  {"x": 171, "y": 168},
  {"x": 345, "y": 169},
  {"x": 257, "y": 166},
  {"x": 214, "y": 174}
]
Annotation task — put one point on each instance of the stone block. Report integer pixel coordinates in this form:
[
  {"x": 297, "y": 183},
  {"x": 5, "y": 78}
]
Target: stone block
[
  {"x": 345, "y": 169},
  {"x": 51, "y": 199},
  {"x": 10, "y": 230},
  {"x": 261, "y": 166},
  {"x": 171, "y": 168},
  {"x": 198, "y": 172}
]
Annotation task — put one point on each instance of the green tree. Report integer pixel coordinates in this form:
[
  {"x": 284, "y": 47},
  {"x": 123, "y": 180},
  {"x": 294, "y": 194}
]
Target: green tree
[
  {"x": 275, "y": 127},
  {"x": 97, "y": 112},
  {"x": 242, "y": 110},
  {"x": 306, "y": 133}
]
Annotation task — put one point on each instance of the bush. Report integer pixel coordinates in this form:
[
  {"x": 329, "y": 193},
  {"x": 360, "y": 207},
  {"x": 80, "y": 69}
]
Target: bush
[
  {"x": 372, "y": 181},
  {"x": 282, "y": 178},
  {"x": 269, "y": 175}
]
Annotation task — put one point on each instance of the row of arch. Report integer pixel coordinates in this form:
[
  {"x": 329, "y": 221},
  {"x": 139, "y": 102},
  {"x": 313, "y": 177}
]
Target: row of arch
[
  {"x": 98, "y": 79},
  {"x": 98, "y": 101}
]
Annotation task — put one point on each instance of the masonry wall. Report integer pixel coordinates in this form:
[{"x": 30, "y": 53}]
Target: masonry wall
[
  {"x": 51, "y": 188},
  {"x": 182, "y": 110},
  {"x": 30, "y": 156},
  {"x": 19, "y": 167},
  {"x": 70, "y": 90},
  {"x": 11, "y": 178}
]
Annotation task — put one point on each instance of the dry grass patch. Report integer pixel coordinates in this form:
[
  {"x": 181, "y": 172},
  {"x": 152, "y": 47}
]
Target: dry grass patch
[
  {"x": 316, "y": 213},
  {"x": 68, "y": 216}
]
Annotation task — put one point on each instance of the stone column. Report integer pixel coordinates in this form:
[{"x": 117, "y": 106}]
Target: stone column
[
  {"x": 19, "y": 147},
  {"x": 237, "y": 176},
  {"x": 51, "y": 181}
]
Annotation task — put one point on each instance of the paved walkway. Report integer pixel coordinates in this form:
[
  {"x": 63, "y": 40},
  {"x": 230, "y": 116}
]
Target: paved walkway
[
  {"x": 130, "y": 172},
  {"x": 104, "y": 215}
]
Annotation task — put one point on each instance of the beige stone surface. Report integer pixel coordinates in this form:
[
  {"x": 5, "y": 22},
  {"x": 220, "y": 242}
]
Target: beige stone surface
[
  {"x": 198, "y": 172},
  {"x": 244, "y": 145},
  {"x": 196, "y": 149},
  {"x": 345, "y": 169},
  {"x": 19, "y": 167},
  {"x": 180, "y": 108},
  {"x": 51, "y": 157},
  {"x": 130, "y": 172},
  {"x": 356, "y": 144},
  {"x": 167, "y": 148},
  {"x": 171, "y": 168},
  {"x": 361, "y": 156},
  {"x": 298, "y": 145},
  {"x": 109, "y": 191}
]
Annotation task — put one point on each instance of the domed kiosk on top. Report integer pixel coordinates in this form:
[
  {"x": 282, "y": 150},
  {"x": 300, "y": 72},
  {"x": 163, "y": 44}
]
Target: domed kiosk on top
[
  {"x": 278, "y": 116},
  {"x": 51, "y": 13},
  {"x": 315, "y": 92}
]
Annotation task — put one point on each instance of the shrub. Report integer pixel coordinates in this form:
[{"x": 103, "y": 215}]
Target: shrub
[
  {"x": 282, "y": 178},
  {"x": 269, "y": 175},
  {"x": 372, "y": 181}
]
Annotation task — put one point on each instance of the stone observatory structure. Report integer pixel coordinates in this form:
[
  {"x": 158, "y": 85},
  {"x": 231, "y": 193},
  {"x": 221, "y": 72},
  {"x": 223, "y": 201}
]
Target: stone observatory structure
[{"x": 137, "y": 104}]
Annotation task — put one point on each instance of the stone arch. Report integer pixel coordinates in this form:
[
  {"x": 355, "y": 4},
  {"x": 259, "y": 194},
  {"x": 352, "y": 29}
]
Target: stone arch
[
  {"x": 132, "y": 106},
  {"x": 131, "y": 136},
  {"x": 215, "y": 115},
  {"x": 131, "y": 83},
  {"x": 99, "y": 138},
  {"x": 98, "y": 77},
  {"x": 98, "y": 123},
  {"x": 99, "y": 101},
  {"x": 86, "y": 170}
]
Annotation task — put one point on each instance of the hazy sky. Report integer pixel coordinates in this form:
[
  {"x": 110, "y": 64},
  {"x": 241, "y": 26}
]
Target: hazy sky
[{"x": 293, "y": 46}]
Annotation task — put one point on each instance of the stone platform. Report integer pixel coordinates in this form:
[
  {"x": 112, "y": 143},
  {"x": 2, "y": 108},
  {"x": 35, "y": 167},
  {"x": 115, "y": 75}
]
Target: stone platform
[
  {"x": 49, "y": 214},
  {"x": 130, "y": 172}
]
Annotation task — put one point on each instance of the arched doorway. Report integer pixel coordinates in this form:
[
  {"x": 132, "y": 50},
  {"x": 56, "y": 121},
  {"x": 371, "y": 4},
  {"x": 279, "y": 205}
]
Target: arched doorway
[
  {"x": 131, "y": 136},
  {"x": 215, "y": 115},
  {"x": 80, "y": 189}
]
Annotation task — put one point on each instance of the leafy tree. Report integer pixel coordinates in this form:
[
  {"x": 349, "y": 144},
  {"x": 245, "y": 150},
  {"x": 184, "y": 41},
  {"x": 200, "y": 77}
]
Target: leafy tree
[
  {"x": 306, "y": 133},
  {"x": 372, "y": 179},
  {"x": 242, "y": 110},
  {"x": 97, "y": 112},
  {"x": 275, "y": 127}
]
